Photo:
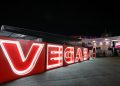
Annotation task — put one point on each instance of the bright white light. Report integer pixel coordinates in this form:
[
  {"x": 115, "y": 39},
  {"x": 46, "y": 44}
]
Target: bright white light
[
  {"x": 101, "y": 43},
  {"x": 107, "y": 42},
  {"x": 106, "y": 39},
  {"x": 94, "y": 41},
  {"x": 31, "y": 65},
  {"x": 114, "y": 40},
  {"x": 94, "y": 44},
  {"x": 118, "y": 43}
]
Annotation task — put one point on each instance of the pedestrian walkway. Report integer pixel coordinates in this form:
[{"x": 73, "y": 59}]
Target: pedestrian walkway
[{"x": 96, "y": 72}]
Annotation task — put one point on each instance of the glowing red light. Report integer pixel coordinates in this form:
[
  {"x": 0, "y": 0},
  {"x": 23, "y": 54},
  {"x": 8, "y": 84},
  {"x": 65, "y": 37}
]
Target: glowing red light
[{"x": 54, "y": 56}]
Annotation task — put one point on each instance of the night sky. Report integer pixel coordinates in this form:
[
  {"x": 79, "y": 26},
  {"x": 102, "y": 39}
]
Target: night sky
[{"x": 83, "y": 18}]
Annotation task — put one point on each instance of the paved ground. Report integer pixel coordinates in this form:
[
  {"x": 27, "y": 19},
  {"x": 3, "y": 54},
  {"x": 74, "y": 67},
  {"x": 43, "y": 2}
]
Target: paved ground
[{"x": 97, "y": 72}]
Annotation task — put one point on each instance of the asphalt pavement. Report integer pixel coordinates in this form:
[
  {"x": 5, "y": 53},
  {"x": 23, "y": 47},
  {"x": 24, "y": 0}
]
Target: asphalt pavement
[{"x": 96, "y": 72}]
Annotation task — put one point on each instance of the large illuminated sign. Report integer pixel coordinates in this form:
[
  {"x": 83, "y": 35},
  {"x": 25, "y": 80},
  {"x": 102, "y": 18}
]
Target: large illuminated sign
[
  {"x": 85, "y": 53},
  {"x": 78, "y": 55},
  {"x": 17, "y": 61},
  {"x": 19, "y": 58},
  {"x": 54, "y": 56},
  {"x": 68, "y": 55}
]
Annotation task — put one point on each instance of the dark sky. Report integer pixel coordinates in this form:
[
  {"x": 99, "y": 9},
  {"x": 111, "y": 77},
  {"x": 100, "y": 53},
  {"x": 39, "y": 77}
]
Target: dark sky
[{"x": 80, "y": 18}]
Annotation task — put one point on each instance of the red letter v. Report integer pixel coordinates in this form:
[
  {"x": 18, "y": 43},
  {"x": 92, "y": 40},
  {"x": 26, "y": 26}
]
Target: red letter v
[{"x": 20, "y": 64}]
